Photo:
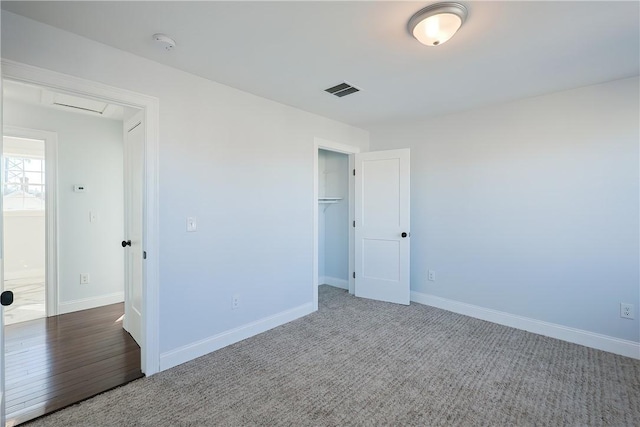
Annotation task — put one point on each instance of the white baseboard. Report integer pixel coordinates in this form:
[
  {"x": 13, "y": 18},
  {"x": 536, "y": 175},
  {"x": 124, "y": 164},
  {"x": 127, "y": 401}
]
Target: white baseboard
[
  {"x": 553, "y": 330},
  {"x": 200, "y": 348},
  {"x": 334, "y": 281},
  {"x": 87, "y": 303}
]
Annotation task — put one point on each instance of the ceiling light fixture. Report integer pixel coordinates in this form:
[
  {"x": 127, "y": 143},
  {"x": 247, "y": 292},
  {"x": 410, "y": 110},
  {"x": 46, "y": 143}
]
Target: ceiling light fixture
[{"x": 437, "y": 23}]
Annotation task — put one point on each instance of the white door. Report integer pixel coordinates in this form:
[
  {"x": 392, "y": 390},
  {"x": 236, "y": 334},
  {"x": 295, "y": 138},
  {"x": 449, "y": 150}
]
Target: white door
[
  {"x": 382, "y": 225},
  {"x": 132, "y": 243},
  {"x": 2, "y": 396}
]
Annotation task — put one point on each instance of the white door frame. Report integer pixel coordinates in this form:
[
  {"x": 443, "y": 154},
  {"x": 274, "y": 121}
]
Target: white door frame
[
  {"x": 150, "y": 348},
  {"x": 51, "y": 209},
  {"x": 350, "y": 150}
]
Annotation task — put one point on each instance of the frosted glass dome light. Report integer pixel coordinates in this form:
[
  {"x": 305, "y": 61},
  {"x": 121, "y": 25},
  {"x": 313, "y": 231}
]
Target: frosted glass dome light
[{"x": 435, "y": 24}]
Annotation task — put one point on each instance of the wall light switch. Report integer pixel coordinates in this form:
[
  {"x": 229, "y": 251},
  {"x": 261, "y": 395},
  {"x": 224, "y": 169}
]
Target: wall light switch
[
  {"x": 191, "y": 223},
  {"x": 93, "y": 217}
]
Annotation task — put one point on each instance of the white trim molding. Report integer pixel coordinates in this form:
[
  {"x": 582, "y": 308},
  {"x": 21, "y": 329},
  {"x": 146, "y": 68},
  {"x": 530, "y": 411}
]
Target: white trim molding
[
  {"x": 12, "y": 70},
  {"x": 334, "y": 281},
  {"x": 553, "y": 330},
  {"x": 87, "y": 303},
  {"x": 200, "y": 348}
]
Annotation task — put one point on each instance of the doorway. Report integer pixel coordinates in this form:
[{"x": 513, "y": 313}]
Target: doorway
[
  {"x": 149, "y": 354},
  {"x": 323, "y": 185},
  {"x": 92, "y": 273},
  {"x": 24, "y": 210},
  {"x": 15, "y": 71},
  {"x": 45, "y": 369},
  {"x": 333, "y": 219},
  {"x": 73, "y": 218},
  {"x": 29, "y": 217},
  {"x": 379, "y": 222}
]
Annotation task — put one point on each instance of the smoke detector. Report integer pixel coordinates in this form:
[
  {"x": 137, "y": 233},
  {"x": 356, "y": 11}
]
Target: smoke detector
[{"x": 165, "y": 41}]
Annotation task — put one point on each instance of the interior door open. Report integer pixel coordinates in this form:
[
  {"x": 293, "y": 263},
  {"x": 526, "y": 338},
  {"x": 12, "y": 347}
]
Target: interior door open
[
  {"x": 132, "y": 243},
  {"x": 382, "y": 225},
  {"x": 6, "y": 298},
  {"x": 2, "y": 290}
]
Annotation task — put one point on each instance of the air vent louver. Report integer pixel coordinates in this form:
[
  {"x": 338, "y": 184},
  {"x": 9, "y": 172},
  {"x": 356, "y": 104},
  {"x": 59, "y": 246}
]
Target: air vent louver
[
  {"x": 91, "y": 110},
  {"x": 342, "y": 89}
]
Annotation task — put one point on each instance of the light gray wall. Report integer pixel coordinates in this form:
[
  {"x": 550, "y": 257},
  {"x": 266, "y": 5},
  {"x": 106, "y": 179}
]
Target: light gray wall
[
  {"x": 89, "y": 153},
  {"x": 531, "y": 207},
  {"x": 334, "y": 237},
  {"x": 241, "y": 164}
]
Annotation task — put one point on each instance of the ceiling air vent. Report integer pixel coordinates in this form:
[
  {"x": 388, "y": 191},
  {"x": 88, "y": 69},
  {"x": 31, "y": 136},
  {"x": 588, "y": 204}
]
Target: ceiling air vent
[
  {"x": 79, "y": 104},
  {"x": 343, "y": 89}
]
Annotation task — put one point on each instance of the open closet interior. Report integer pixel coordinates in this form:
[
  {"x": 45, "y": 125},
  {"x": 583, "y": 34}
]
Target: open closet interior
[{"x": 333, "y": 219}]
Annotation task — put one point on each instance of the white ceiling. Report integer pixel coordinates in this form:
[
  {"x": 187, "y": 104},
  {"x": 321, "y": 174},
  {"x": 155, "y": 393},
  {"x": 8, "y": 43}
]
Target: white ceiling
[{"x": 291, "y": 51}]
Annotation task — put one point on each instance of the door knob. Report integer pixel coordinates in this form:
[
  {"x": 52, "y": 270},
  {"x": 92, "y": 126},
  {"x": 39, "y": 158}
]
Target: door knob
[
  {"x": 6, "y": 298},
  {"x": 405, "y": 234},
  {"x": 126, "y": 243}
]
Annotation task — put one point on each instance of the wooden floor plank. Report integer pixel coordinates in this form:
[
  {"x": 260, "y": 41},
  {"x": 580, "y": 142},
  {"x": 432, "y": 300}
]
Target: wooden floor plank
[
  {"x": 85, "y": 348},
  {"x": 86, "y": 373},
  {"x": 31, "y": 373},
  {"x": 55, "y": 362}
]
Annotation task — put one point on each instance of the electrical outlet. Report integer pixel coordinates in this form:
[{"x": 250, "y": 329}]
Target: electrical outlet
[
  {"x": 432, "y": 276},
  {"x": 84, "y": 278},
  {"x": 626, "y": 311},
  {"x": 235, "y": 302}
]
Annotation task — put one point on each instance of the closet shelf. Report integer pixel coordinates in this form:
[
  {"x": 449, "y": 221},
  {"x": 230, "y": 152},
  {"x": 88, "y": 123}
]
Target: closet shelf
[{"x": 329, "y": 199}]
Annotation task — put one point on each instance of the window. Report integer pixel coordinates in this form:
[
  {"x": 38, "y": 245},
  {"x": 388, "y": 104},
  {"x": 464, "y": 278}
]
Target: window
[{"x": 24, "y": 175}]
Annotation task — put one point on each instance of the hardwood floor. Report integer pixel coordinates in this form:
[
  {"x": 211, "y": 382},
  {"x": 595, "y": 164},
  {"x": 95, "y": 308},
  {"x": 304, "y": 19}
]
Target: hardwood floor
[{"x": 57, "y": 361}]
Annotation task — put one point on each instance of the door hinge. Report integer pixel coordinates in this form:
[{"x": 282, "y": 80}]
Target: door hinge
[
  {"x": 354, "y": 223},
  {"x": 144, "y": 254},
  {"x": 354, "y": 274},
  {"x": 354, "y": 172}
]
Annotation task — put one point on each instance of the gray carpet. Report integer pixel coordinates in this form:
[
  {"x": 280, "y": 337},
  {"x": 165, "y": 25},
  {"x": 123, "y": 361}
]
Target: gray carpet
[{"x": 361, "y": 362}]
